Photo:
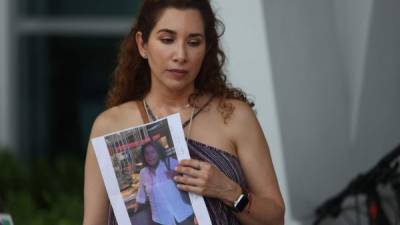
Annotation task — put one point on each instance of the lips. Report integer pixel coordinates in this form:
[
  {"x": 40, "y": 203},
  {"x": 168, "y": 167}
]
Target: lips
[{"x": 178, "y": 72}]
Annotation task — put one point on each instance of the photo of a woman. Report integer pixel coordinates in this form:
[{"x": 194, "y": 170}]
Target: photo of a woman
[{"x": 169, "y": 205}]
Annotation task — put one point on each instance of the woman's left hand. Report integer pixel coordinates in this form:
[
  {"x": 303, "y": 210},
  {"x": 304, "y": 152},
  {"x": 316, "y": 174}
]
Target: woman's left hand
[{"x": 202, "y": 178}]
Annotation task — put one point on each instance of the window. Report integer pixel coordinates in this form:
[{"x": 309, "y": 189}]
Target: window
[
  {"x": 79, "y": 8},
  {"x": 67, "y": 51}
]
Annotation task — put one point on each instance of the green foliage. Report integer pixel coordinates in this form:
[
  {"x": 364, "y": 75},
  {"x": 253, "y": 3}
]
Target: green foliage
[{"x": 42, "y": 192}]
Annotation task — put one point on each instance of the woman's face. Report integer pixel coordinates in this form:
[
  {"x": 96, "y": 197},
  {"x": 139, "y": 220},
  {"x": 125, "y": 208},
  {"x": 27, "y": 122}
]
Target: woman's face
[
  {"x": 151, "y": 156},
  {"x": 175, "y": 49}
]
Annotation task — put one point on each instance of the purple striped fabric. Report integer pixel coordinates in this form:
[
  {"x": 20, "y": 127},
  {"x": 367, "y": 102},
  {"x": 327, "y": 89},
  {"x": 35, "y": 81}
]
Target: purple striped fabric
[{"x": 229, "y": 164}]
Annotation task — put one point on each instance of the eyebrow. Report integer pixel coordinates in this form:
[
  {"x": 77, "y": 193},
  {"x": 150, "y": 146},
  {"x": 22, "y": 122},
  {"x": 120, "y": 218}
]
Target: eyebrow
[{"x": 174, "y": 33}]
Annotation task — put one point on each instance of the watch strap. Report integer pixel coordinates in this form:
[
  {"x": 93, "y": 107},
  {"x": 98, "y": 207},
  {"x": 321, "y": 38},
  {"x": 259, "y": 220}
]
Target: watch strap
[{"x": 241, "y": 202}]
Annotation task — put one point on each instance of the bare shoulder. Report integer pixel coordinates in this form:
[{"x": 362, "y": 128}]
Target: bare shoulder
[
  {"x": 226, "y": 123},
  {"x": 243, "y": 125},
  {"x": 116, "y": 118},
  {"x": 242, "y": 114}
]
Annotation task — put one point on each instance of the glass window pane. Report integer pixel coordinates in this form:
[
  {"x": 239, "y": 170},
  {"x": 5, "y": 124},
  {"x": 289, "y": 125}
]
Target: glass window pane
[
  {"x": 63, "y": 86},
  {"x": 80, "y": 8}
]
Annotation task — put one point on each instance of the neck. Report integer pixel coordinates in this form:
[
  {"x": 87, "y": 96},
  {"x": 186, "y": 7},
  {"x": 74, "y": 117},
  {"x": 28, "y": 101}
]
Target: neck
[
  {"x": 153, "y": 168},
  {"x": 167, "y": 102}
]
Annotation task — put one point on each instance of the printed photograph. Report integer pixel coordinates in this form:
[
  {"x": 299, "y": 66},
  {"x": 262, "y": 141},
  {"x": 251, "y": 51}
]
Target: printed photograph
[{"x": 144, "y": 161}]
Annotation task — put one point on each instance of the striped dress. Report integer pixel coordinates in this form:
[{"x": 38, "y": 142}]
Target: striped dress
[{"x": 229, "y": 164}]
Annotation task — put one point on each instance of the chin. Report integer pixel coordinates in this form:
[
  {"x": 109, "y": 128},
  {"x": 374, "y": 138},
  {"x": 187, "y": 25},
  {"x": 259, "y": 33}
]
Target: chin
[{"x": 180, "y": 85}]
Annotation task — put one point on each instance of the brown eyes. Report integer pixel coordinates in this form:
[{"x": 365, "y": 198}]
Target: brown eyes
[
  {"x": 167, "y": 40},
  {"x": 192, "y": 43}
]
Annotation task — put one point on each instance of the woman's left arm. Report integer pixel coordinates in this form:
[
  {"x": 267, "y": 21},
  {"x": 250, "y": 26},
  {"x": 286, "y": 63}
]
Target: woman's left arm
[
  {"x": 266, "y": 203},
  {"x": 267, "y": 206}
]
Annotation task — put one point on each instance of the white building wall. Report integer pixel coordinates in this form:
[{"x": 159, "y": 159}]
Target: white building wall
[
  {"x": 245, "y": 43},
  {"x": 312, "y": 99}
]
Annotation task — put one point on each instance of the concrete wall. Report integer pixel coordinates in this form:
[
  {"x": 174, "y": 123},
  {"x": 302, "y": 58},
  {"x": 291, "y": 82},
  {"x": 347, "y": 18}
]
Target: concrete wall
[
  {"x": 353, "y": 23},
  {"x": 312, "y": 98},
  {"x": 335, "y": 67},
  {"x": 378, "y": 120}
]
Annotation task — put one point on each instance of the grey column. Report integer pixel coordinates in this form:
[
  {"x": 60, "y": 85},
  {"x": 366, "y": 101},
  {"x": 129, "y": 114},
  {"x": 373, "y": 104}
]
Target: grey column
[{"x": 6, "y": 130}]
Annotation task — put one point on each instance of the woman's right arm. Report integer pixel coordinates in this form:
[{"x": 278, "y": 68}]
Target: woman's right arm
[{"x": 96, "y": 202}]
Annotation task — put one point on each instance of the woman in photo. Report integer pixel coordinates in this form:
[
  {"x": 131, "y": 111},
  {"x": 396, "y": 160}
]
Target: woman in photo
[
  {"x": 156, "y": 185},
  {"x": 170, "y": 62}
]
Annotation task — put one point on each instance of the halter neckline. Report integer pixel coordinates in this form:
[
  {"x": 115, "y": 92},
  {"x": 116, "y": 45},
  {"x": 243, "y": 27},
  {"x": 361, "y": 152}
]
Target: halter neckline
[{"x": 152, "y": 117}]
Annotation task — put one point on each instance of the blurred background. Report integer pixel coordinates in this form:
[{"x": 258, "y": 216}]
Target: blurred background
[
  {"x": 325, "y": 77},
  {"x": 56, "y": 60}
]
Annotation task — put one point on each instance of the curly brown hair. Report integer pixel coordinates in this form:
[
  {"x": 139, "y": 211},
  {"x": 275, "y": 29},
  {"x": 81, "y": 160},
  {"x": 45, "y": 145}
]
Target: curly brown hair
[{"x": 132, "y": 78}]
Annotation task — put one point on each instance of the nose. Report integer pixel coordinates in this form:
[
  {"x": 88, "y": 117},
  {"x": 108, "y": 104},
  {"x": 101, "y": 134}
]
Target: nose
[{"x": 180, "y": 55}]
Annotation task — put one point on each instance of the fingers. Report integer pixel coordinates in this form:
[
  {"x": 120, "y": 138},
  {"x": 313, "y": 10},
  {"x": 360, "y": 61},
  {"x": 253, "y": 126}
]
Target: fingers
[
  {"x": 190, "y": 171},
  {"x": 195, "y": 164},
  {"x": 192, "y": 189},
  {"x": 188, "y": 180},
  {"x": 194, "y": 176},
  {"x": 194, "y": 168}
]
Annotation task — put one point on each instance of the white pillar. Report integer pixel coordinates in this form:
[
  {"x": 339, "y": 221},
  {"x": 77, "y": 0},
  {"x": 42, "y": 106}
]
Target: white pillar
[
  {"x": 246, "y": 45},
  {"x": 6, "y": 133}
]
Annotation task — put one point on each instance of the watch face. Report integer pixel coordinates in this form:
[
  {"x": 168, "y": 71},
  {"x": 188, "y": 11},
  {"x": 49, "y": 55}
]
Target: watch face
[{"x": 242, "y": 203}]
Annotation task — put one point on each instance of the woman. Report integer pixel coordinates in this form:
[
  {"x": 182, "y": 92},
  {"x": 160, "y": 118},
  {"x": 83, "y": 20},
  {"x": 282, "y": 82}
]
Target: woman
[
  {"x": 171, "y": 62},
  {"x": 157, "y": 185}
]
